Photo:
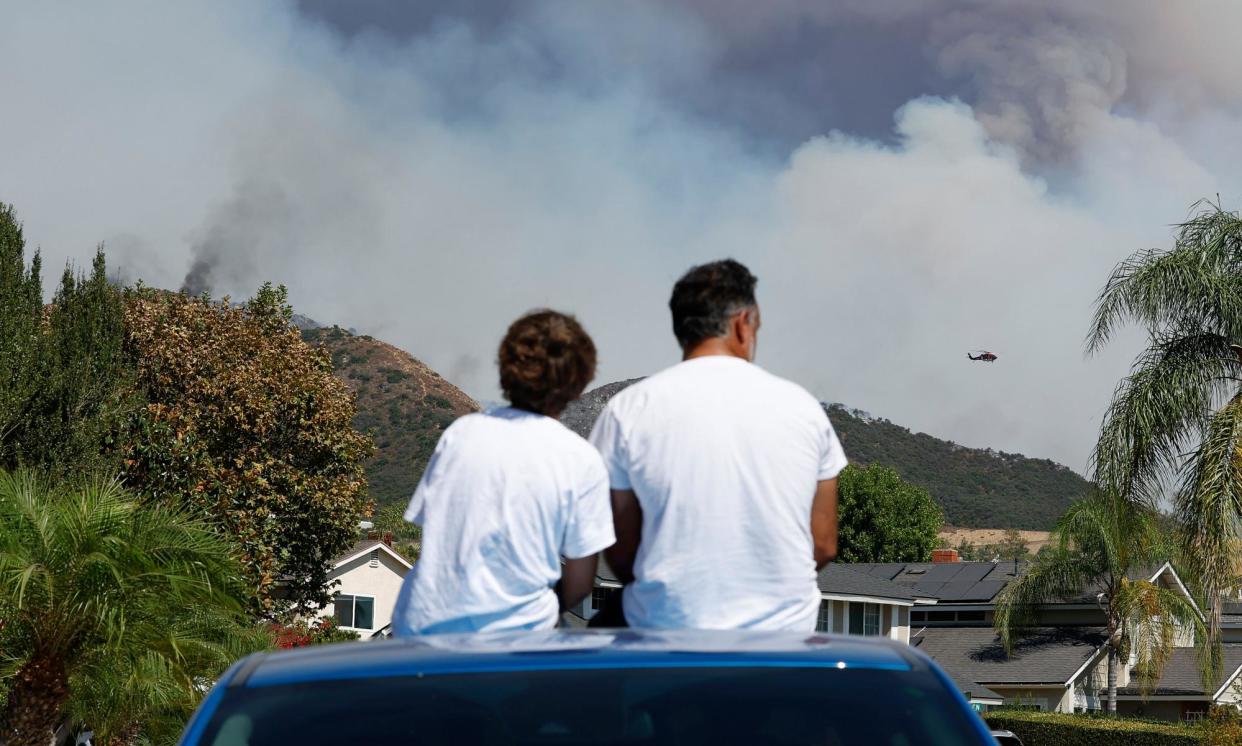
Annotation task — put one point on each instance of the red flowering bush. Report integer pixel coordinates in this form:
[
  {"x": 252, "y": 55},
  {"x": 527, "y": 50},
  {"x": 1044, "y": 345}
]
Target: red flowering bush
[{"x": 299, "y": 634}]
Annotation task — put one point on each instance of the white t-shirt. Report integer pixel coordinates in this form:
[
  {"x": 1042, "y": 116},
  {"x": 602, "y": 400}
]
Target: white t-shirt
[
  {"x": 506, "y": 494},
  {"x": 724, "y": 458}
]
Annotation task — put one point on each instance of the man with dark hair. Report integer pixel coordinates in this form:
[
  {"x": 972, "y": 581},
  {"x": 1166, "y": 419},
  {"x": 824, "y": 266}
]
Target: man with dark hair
[
  {"x": 514, "y": 506},
  {"x": 723, "y": 476}
]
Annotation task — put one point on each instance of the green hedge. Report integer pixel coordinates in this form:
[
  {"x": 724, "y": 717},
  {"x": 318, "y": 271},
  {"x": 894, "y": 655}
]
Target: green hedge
[{"x": 1059, "y": 729}]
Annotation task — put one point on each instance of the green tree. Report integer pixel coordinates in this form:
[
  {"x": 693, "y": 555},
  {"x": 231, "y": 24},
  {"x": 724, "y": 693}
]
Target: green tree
[
  {"x": 884, "y": 519},
  {"x": 1182, "y": 396},
  {"x": 64, "y": 387},
  {"x": 1013, "y": 545},
  {"x": 1097, "y": 545},
  {"x": 114, "y": 610},
  {"x": 246, "y": 422},
  {"x": 407, "y": 538}
]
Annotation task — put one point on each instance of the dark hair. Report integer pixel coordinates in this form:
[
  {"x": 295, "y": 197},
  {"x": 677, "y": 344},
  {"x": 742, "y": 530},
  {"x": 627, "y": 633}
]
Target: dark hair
[
  {"x": 546, "y": 360},
  {"x": 706, "y": 297}
]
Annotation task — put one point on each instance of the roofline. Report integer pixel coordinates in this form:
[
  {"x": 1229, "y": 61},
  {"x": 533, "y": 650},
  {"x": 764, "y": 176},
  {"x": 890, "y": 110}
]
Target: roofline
[
  {"x": 1093, "y": 659},
  {"x": 1023, "y": 684},
  {"x": 605, "y": 583},
  {"x": 1229, "y": 680},
  {"x": 865, "y": 599},
  {"x": 986, "y": 700},
  {"x": 1180, "y": 585},
  {"x": 372, "y": 548},
  {"x": 1160, "y": 697}
]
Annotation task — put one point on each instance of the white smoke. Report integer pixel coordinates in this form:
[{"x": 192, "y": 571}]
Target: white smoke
[{"x": 428, "y": 188}]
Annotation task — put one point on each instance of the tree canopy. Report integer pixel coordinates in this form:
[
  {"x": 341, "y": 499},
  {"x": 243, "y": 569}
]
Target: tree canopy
[
  {"x": 246, "y": 421},
  {"x": 883, "y": 518}
]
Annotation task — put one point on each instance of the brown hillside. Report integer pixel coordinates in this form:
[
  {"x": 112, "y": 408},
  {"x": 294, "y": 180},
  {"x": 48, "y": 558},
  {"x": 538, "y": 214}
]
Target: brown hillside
[{"x": 402, "y": 402}]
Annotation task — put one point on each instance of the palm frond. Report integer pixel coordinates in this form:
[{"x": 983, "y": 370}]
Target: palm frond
[
  {"x": 1209, "y": 505},
  {"x": 1159, "y": 410},
  {"x": 1193, "y": 285}
]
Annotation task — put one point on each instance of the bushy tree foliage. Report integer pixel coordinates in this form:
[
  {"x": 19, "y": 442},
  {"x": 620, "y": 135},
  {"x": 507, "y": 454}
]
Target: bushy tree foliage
[
  {"x": 246, "y": 422},
  {"x": 64, "y": 386},
  {"x": 884, "y": 519},
  {"x": 117, "y": 612}
]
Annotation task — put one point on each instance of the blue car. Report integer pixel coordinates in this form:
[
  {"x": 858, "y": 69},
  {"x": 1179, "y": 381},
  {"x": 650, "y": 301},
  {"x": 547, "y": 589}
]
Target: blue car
[{"x": 590, "y": 687}]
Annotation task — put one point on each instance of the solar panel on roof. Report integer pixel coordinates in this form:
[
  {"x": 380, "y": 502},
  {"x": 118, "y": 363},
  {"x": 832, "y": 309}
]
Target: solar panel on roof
[
  {"x": 974, "y": 572},
  {"x": 941, "y": 573},
  {"x": 956, "y": 591},
  {"x": 987, "y": 589}
]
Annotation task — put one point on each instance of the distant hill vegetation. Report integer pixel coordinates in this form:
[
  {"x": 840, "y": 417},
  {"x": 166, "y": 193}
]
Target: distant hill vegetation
[
  {"x": 402, "y": 402},
  {"x": 978, "y": 488}
]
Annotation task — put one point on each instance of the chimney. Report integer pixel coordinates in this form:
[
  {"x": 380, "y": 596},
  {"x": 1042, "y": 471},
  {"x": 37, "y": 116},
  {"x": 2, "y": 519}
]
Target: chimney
[
  {"x": 388, "y": 539},
  {"x": 943, "y": 556}
]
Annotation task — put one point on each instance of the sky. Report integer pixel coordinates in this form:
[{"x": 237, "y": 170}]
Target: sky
[{"x": 910, "y": 180}]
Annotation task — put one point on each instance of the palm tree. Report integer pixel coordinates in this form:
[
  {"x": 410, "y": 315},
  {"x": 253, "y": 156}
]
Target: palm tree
[
  {"x": 98, "y": 592},
  {"x": 1175, "y": 423},
  {"x": 1097, "y": 546}
]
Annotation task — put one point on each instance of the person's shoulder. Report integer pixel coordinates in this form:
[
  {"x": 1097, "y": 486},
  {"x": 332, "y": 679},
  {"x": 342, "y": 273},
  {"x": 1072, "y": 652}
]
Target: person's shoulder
[
  {"x": 573, "y": 445},
  {"x": 791, "y": 392}
]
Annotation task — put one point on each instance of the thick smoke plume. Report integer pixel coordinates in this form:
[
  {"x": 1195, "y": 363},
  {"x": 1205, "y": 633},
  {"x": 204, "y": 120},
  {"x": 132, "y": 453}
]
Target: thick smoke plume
[{"x": 910, "y": 180}]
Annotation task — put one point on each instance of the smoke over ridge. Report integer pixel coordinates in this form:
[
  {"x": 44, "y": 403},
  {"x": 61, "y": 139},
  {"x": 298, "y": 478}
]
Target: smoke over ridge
[{"x": 909, "y": 180}]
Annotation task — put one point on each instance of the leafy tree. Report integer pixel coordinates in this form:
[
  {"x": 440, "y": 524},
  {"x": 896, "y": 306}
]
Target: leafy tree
[
  {"x": 246, "y": 422},
  {"x": 1097, "y": 545},
  {"x": 1182, "y": 396},
  {"x": 114, "y": 610},
  {"x": 884, "y": 519},
  {"x": 64, "y": 387},
  {"x": 1013, "y": 545}
]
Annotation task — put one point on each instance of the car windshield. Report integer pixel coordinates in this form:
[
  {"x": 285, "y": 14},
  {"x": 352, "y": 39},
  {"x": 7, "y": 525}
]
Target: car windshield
[{"x": 616, "y": 706}]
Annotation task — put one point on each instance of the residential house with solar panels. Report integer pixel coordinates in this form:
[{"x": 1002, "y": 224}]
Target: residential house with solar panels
[{"x": 1061, "y": 663}]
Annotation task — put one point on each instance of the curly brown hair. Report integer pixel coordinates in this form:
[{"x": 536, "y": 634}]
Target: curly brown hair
[{"x": 546, "y": 361}]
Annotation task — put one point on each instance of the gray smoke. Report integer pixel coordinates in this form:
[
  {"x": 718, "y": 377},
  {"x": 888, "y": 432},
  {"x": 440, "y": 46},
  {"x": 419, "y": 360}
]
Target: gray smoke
[{"x": 909, "y": 179}]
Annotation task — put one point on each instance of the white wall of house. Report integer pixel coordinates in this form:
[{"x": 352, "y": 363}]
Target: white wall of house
[
  {"x": 861, "y": 616},
  {"x": 375, "y": 574}
]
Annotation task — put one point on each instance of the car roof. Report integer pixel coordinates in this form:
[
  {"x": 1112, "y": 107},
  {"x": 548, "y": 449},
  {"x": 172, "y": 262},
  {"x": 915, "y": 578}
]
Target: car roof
[{"x": 565, "y": 649}]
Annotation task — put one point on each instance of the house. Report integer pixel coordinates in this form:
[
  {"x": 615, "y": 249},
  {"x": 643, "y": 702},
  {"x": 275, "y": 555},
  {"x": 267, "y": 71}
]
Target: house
[
  {"x": 855, "y": 603},
  {"x": 851, "y": 602},
  {"x": 1061, "y": 663},
  {"x": 367, "y": 579}
]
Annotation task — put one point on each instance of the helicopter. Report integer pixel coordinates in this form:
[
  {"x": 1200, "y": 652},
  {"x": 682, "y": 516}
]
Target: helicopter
[{"x": 983, "y": 356}]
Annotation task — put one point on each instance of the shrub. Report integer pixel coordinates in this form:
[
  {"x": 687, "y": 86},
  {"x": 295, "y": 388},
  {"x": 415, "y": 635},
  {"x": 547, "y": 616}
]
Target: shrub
[
  {"x": 301, "y": 633},
  {"x": 1037, "y": 728}
]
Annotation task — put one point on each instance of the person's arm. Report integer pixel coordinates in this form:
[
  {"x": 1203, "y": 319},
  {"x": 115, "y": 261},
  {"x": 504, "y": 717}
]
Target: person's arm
[
  {"x": 824, "y": 522},
  {"x": 627, "y": 522},
  {"x": 577, "y": 580}
]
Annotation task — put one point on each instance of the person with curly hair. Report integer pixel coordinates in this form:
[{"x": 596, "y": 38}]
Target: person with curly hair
[{"x": 514, "y": 506}]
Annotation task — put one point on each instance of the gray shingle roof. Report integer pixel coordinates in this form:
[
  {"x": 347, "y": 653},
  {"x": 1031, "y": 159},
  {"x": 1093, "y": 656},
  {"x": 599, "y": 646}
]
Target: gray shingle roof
[
  {"x": 1181, "y": 673},
  {"x": 972, "y": 689},
  {"x": 845, "y": 580},
  {"x": 1047, "y": 655}
]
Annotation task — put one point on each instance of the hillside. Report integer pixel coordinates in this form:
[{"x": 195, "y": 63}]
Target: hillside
[
  {"x": 976, "y": 488},
  {"x": 405, "y": 405}
]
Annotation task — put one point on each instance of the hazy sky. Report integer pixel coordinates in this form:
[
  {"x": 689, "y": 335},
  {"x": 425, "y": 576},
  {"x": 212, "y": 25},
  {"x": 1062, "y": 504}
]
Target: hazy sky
[{"x": 910, "y": 180}]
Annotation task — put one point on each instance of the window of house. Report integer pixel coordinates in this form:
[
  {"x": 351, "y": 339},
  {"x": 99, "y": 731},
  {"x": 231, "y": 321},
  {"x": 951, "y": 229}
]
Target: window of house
[
  {"x": 598, "y": 597},
  {"x": 918, "y": 617},
  {"x": 356, "y": 612},
  {"x": 822, "y": 624},
  {"x": 871, "y": 620},
  {"x": 856, "y": 619}
]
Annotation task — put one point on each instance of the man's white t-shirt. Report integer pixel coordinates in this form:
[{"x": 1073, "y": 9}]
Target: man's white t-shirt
[
  {"x": 506, "y": 494},
  {"x": 725, "y": 459}
]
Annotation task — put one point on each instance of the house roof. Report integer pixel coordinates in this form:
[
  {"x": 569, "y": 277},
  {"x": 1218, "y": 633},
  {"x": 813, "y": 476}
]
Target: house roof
[
  {"x": 973, "y": 582},
  {"x": 844, "y": 580},
  {"x": 1046, "y": 655},
  {"x": 950, "y": 582},
  {"x": 973, "y": 690},
  {"x": 1181, "y": 673},
  {"x": 1231, "y": 615},
  {"x": 365, "y": 547}
]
